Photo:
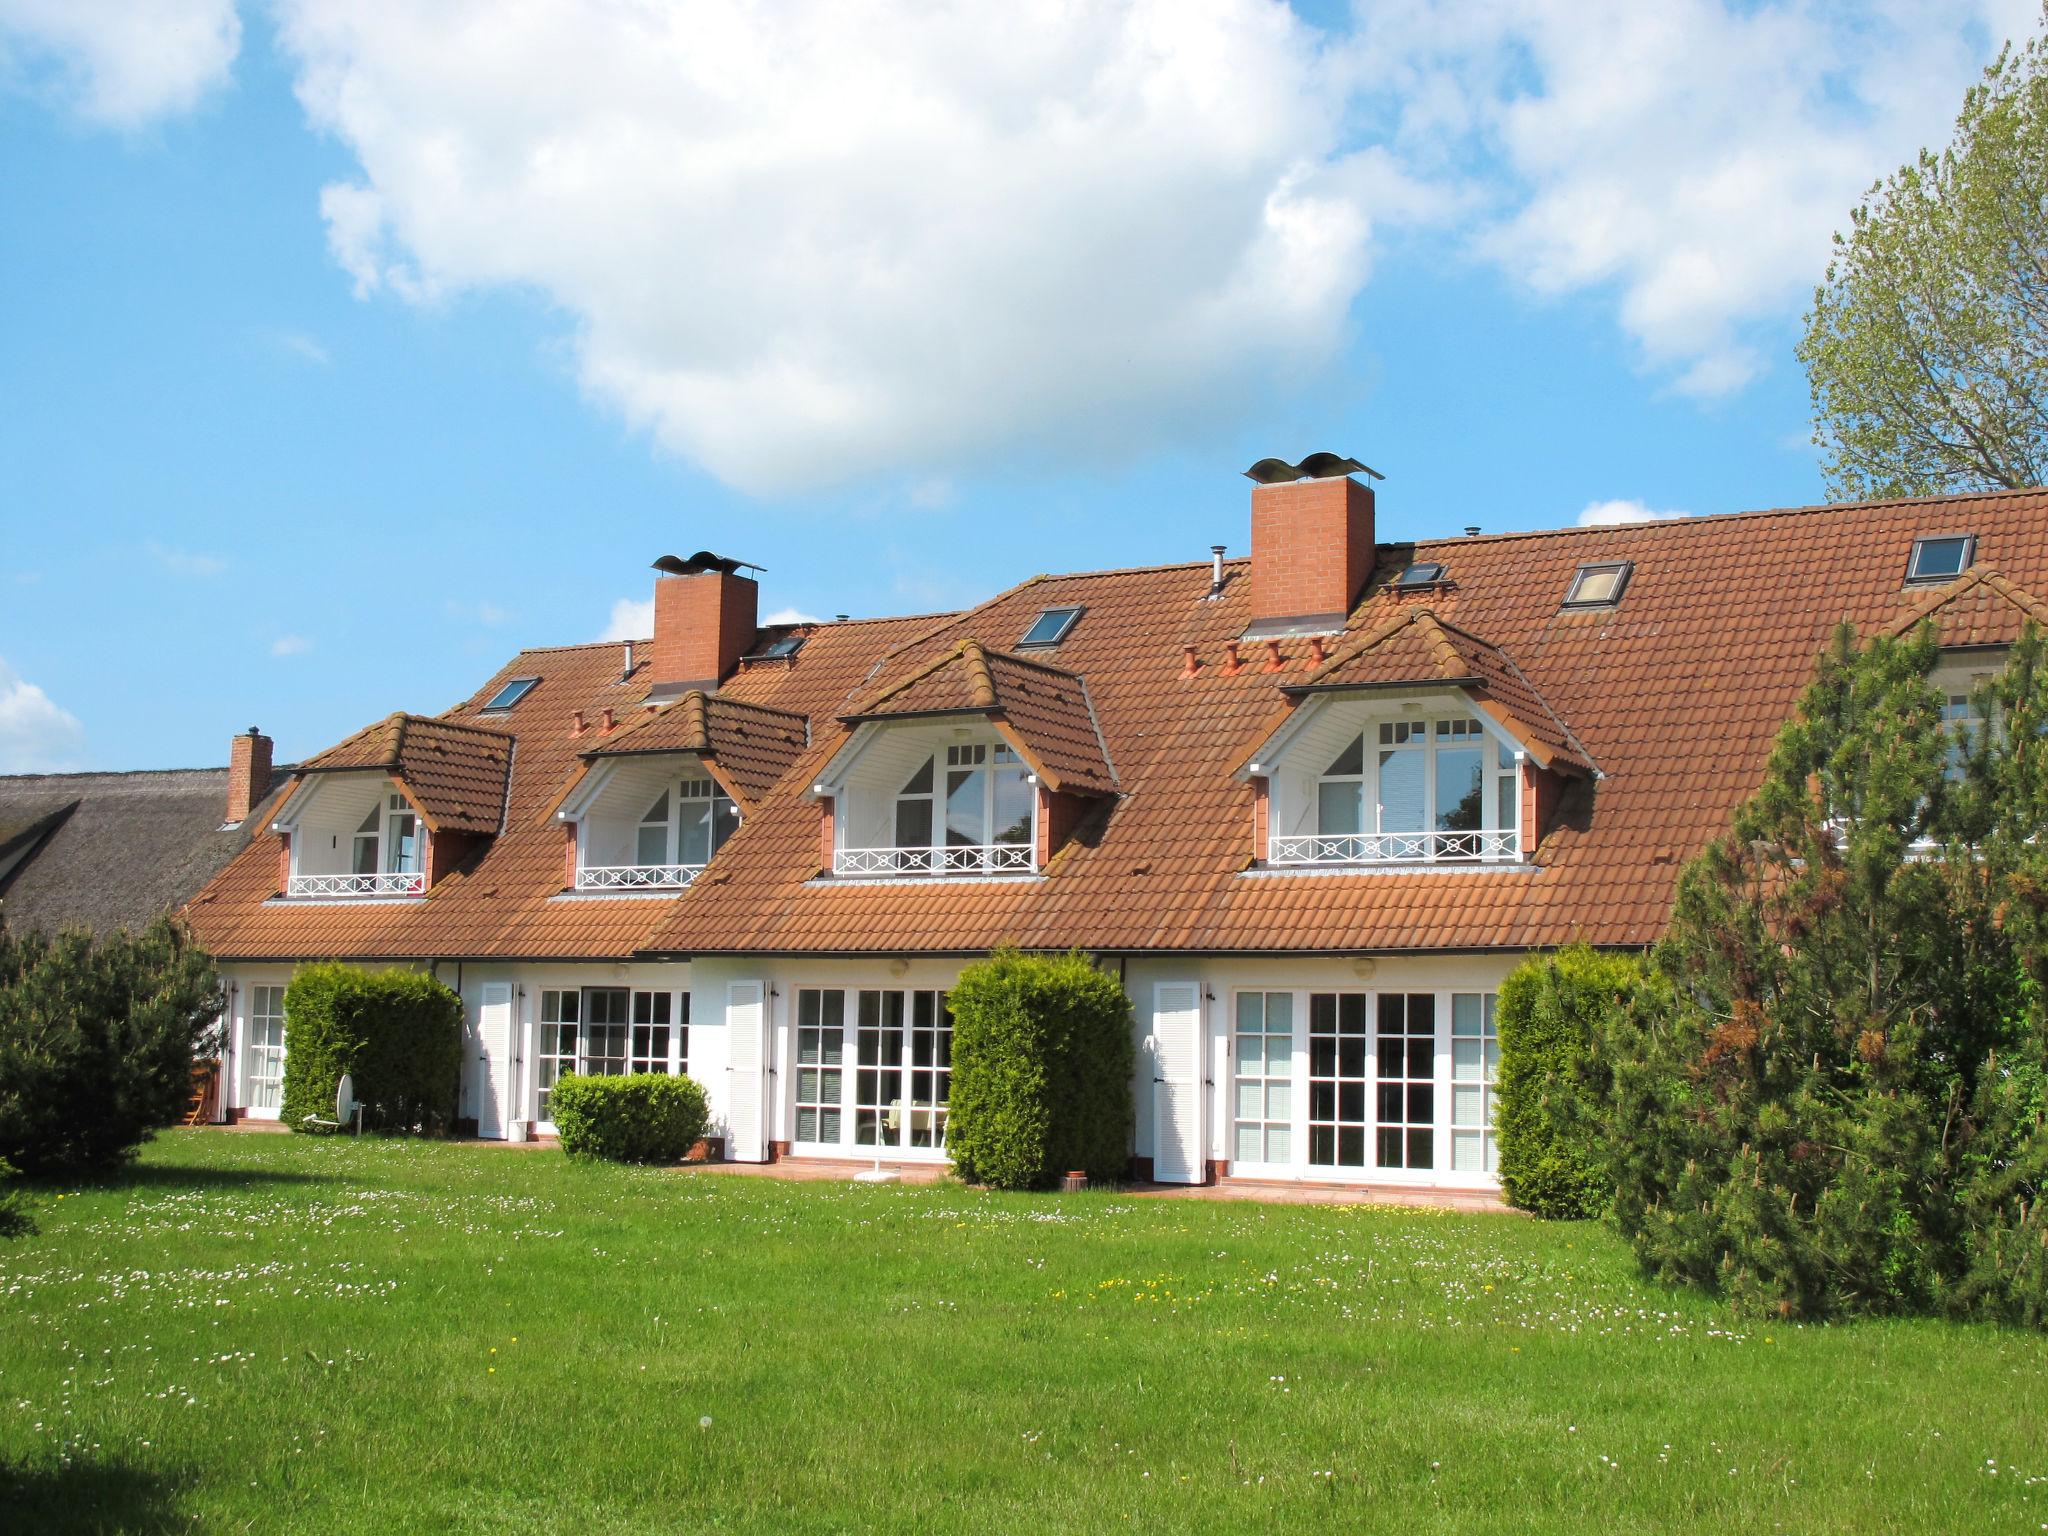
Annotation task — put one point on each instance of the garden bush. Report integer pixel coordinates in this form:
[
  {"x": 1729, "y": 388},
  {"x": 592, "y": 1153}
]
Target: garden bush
[
  {"x": 1042, "y": 1058},
  {"x": 645, "y": 1117},
  {"x": 1553, "y": 1017},
  {"x": 97, "y": 1042},
  {"x": 396, "y": 1033}
]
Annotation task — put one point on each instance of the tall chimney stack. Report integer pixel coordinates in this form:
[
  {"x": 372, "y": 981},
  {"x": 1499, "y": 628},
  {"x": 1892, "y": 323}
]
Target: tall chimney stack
[
  {"x": 248, "y": 774},
  {"x": 1312, "y": 539},
  {"x": 705, "y": 617}
]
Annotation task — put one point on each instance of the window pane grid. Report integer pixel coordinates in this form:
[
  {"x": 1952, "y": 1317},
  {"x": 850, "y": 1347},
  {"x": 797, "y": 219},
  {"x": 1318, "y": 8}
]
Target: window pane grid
[
  {"x": 1336, "y": 1079},
  {"x": 1265, "y": 1077},
  {"x": 1406, "y": 1086},
  {"x": 266, "y": 1047},
  {"x": 1475, "y": 1058}
]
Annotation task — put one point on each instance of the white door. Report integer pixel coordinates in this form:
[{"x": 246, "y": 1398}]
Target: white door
[
  {"x": 494, "y": 1060},
  {"x": 746, "y": 1041},
  {"x": 263, "y": 1053},
  {"x": 1177, "y": 1156}
]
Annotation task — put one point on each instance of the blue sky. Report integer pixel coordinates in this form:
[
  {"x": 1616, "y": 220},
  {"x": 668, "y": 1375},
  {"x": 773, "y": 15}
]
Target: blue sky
[{"x": 343, "y": 356}]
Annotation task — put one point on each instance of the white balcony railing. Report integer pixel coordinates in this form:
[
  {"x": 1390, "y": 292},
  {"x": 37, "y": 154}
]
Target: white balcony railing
[
  {"x": 636, "y": 877},
  {"x": 1396, "y": 848},
  {"x": 402, "y": 883},
  {"x": 981, "y": 859}
]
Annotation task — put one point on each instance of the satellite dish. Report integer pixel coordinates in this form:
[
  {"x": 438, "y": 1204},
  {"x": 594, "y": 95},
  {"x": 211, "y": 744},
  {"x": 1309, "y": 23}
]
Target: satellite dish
[{"x": 345, "y": 1100}]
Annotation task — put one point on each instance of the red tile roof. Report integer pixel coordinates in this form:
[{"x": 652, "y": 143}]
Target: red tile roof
[
  {"x": 750, "y": 746},
  {"x": 455, "y": 774},
  {"x": 1675, "y": 694},
  {"x": 1042, "y": 710}
]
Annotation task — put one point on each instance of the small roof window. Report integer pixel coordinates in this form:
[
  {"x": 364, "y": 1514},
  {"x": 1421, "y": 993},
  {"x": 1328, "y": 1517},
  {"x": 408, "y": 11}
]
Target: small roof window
[
  {"x": 784, "y": 648},
  {"x": 1599, "y": 584},
  {"x": 1941, "y": 559},
  {"x": 1050, "y": 627},
  {"x": 1423, "y": 573},
  {"x": 514, "y": 690}
]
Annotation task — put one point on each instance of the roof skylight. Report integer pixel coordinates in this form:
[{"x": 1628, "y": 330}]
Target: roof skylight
[
  {"x": 784, "y": 648},
  {"x": 1941, "y": 559},
  {"x": 1050, "y": 627},
  {"x": 1423, "y": 573},
  {"x": 1598, "y": 585},
  {"x": 514, "y": 690}
]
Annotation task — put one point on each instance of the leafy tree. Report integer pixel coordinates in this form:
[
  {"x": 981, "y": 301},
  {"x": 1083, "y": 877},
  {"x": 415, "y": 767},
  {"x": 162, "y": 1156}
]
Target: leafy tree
[
  {"x": 1553, "y": 1016},
  {"x": 97, "y": 1042},
  {"x": 1789, "y": 1129},
  {"x": 1927, "y": 346}
]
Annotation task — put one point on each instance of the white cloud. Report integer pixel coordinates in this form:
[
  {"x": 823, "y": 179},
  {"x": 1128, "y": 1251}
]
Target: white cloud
[
  {"x": 119, "y": 62},
  {"x": 802, "y": 242},
  {"x": 186, "y": 562},
  {"x": 1692, "y": 158},
  {"x": 290, "y": 645},
  {"x": 306, "y": 348},
  {"x": 632, "y": 619},
  {"x": 791, "y": 616},
  {"x": 1607, "y": 514},
  {"x": 36, "y": 736},
  {"x": 488, "y": 614}
]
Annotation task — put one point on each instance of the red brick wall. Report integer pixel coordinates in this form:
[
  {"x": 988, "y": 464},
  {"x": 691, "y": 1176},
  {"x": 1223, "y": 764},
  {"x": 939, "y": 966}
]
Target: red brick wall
[
  {"x": 827, "y": 807},
  {"x": 1058, "y": 815},
  {"x": 1262, "y": 815},
  {"x": 1540, "y": 789},
  {"x": 1312, "y": 546},
  {"x": 248, "y": 774},
  {"x": 284, "y": 861},
  {"x": 703, "y": 624}
]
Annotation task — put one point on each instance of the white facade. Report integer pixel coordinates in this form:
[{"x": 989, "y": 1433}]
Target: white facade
[{"x": 1347, "y": 1071}]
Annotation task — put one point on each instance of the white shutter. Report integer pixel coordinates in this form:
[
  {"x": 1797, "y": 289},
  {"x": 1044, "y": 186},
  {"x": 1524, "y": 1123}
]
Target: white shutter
[
  {"x": 745, "y": 1044},
  {"x": 1177, "y": 1156},
  {"x": 494, "y": 1060}
]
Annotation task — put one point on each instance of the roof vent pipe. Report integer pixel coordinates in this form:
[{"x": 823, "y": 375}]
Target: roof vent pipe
[
  {"x": 1216, "y": 570},
  {"x": 1471, "y": 530},
  {"x": 628, "y": 672}
]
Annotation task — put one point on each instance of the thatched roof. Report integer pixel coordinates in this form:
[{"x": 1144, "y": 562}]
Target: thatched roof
[{"x": 111, "y": 850}]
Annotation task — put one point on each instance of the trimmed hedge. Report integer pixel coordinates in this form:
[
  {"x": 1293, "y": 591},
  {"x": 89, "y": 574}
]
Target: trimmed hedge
[
  {"x": 398, "y": 1034},
  {"x": 645, "y": 1117},
  {"x": 98, "y": 1042},
  {"x": 1553, "y": 1018},
  {"x": 1042, "y": 1059}
]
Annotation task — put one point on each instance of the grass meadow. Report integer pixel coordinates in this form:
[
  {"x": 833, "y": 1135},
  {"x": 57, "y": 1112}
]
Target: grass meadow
[{"x": 271, "y": 1333}]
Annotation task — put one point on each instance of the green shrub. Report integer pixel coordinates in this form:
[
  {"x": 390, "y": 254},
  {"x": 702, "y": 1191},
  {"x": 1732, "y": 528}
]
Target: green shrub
[
  {"x": 397, "y": 1034},
  {"x": 97, "y": 1043},
  {"x": 1042, "y": 1059},
  {"x": 15, "y": 1217},
  {"x": 1553, "y": 1017},
  {"x": 647, "y": 1117}
]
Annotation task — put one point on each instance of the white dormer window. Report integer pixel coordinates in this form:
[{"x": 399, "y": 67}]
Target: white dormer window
[
  {"x": 986, "y": 802},
  {"x": 388, "y": 841},
  {"x": 1426, "y": 787},
  {"x": 688, "y": 822}
]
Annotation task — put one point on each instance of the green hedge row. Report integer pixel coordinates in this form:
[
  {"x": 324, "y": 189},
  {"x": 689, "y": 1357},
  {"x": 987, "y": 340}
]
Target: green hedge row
[
  {"x": 1042, "y": 1058},
  {"x": 397, "y": 1034},
  {"x": 645, "y": 1117}
]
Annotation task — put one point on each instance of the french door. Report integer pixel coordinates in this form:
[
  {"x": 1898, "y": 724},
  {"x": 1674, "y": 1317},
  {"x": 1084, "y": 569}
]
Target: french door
[
  {"x": 1362, "y": 1083},
  {"x": 874, "y": 1069},
  {"x": 265, "y": 1051},
  {"x": 608, "y": 1031}
]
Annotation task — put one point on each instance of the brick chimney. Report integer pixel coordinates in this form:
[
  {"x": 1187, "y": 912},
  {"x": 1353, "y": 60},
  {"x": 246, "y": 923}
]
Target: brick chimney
[
  {"x": 1312, "y": 538},
  {"x": 705, "y": 617},
  {"x": 248, "y": 774}
]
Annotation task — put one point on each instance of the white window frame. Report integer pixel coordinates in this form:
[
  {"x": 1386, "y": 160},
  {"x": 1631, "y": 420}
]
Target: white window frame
[
  {"x": 262, "y": 1061},
  {"x": 578, "y": 1057},
  {"x": 894, "y": 1092},
  {"x": 1424, "y": 733},
  {"x": 1448, "y": 1074},
  {"x": 997, "y": 762}
]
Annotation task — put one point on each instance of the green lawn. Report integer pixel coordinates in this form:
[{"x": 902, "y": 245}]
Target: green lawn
[{"x": 273, "y": 1333}]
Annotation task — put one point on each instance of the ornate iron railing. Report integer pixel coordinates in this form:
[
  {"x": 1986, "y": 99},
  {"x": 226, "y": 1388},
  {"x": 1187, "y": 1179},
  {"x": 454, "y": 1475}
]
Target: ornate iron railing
[
  {"x": 979, "y": 859},
  {"x": 636, "y": 877},
  {"x": 410, "y": 882},
  {"x": 1395, "y": 848}
]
